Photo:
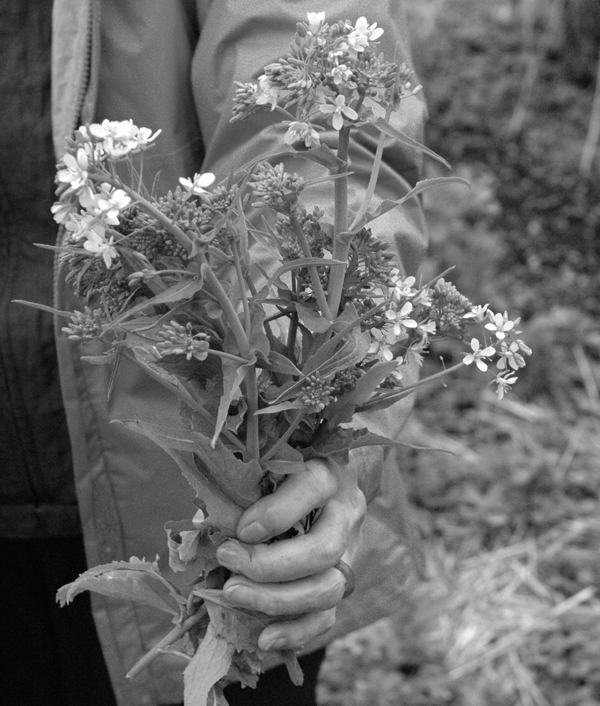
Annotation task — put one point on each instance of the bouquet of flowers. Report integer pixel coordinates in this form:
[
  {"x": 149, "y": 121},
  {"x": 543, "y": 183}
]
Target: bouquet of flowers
[{"x": 271, "y": 357}]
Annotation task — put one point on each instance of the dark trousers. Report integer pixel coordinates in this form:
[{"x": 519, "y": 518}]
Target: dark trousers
[{"x": 51, "y": 656}]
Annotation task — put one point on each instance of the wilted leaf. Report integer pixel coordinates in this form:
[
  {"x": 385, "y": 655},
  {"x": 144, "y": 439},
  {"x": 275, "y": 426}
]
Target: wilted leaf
[
  {"x": 210, "y": 664},
  {"x": 134, "y": 580}
]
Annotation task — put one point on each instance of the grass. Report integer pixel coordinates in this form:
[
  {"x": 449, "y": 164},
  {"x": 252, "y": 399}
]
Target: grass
[{"x": 509, "y": 614}]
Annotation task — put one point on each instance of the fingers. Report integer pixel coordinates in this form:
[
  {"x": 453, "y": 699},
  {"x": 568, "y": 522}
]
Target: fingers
[
  {"x": 290, "y": 503},
  {"x": 294, "y": 634},
  {"x": 289, "y": 559},
  {"x": 315, "y": 593}
]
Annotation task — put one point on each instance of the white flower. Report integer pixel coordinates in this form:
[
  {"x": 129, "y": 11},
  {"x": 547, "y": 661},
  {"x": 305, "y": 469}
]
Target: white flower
[
  {"x": 380, "y": 345},
  {"x": 99, "y": 246},
  {"x": 75, "y": 172},
  {"x": 500, "y": 324},
  {"x": 338, "y": 110},
  {"x": 478, "y": 313},
  {"x": 267, "y": 93},
  {"x": 121, "y": 137},
  {"x": 476, "y": 355},
  {"x": 510, "y": 355},
  {"x": 198, "y": 183},
  {"x": 79, "y": 225},
  {"x": 302, "y": 131},
  {"x": 340, "y": 74},
  {"x": 109, "y": 203},
  {"x": 363, "y": 33},
  {"x": 315, "y": 21},
  {"x": 504, "y": 383},
  {"x": 404, "y": 288},
  {"x": 62, "y": 211}
]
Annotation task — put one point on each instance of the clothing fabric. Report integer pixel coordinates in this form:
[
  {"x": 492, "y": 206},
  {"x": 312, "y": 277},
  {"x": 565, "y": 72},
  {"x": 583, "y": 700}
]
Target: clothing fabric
[
  {"x": 37, "y": 493},
  {"x": 172, "y": 66}
]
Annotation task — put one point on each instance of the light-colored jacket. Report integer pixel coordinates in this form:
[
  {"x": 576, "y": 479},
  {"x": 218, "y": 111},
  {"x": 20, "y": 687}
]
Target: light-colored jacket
[{"x": 171, "y": 64}]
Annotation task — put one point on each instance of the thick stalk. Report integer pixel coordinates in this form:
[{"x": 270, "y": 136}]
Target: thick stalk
[
  {"x": 300, "y": 414},
  {"x": 252, "y": 430},
  {"x": 340, "y": 225},
  {"x": 242, "y": 285}
]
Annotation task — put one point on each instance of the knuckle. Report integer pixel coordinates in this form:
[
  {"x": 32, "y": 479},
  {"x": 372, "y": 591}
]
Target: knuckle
[{"x": 329, "y": 550}]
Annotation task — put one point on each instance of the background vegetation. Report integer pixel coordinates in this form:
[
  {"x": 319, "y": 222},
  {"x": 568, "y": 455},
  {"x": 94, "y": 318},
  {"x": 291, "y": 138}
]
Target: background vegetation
[{"x": 509, "y": 612}]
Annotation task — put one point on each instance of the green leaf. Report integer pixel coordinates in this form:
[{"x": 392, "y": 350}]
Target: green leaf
[
  {"x": 182, "y": 290},
  {"x": 313, "y": 321},
  {"x": 383, "y": 126},
  {"x": 241, "y": 481},
  {"x": 233, "y": 376},
  {"x": 300, "y": 263},
  {"x": 134, "y": 580},
  {"x": 342, "y": 410},
  {"x": 210, "y": 664},
  {"x": 281, "y": 364},
  {"x": 281, "y": 407},
  {"x": 223, "y": 513},
  {"x": 389, "y": 204}
]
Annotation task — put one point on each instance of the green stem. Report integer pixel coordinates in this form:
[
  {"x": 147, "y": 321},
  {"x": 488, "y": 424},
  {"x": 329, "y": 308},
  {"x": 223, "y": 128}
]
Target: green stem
[
  {"x": 252, "y": 430},
  {"x": 300, "y": 414},
  {"x": 230, "y": 313},
  {"x": 167, "y": 640},
  {"x": 314, "y": 275},
  {"x": 340, "y": 225},
  {"x": 174, "y": 229},
  {"x": 242, "y": 285}
]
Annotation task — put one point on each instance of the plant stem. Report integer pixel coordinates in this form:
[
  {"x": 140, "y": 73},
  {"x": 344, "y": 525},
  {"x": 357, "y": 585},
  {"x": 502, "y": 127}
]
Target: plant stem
[
  {"x": 286, "y": 435},
  {"x": 152, "y": 210},
  {"x": 242, "y": 285},
  {"x": 314, "y": 275},
  {"x": 252, "y": 422},
  {"x": 232, "y": 318},
  {"x": 340, "y": 225},
  {"x": 167, "y": 640}
]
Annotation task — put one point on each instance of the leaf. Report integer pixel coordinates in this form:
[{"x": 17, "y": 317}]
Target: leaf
[
  {"x": 182, "y": 290},
  {"x": 342, "y": 410},
  {"x": 300, "y": 263},
  {"x": 210, "y": 664},
  {"x": 313, "y": 321},
  {"x": 192, "y": 549},
  {"x": 383, "y": 126},
  {"x": 281, "y": 364},
  {"x": 134, "y": 580},
  {"x": 240, "y": 480},
  {"x": 258, "y": 338},
  {"x": 233, "y": 376},
  {"x": 389, "y": 204},
  {"x": 281, "y": 407},
  {"x": 221, "y": 510}
]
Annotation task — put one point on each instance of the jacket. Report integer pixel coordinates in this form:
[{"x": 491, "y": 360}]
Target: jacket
[{"x": 172, "y": 66}]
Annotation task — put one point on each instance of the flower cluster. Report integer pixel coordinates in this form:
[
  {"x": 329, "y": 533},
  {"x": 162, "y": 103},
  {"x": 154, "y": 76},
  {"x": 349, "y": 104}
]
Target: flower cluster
[{"x": 330, "y": 75}]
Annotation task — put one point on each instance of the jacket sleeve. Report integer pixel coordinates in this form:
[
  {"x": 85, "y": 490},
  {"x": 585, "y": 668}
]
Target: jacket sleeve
[{"x": 237, "y": 40}]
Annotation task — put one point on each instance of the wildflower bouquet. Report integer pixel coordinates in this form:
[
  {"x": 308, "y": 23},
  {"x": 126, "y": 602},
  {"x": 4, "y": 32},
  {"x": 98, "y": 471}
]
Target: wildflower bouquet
[{"x": 271, "y": 355}]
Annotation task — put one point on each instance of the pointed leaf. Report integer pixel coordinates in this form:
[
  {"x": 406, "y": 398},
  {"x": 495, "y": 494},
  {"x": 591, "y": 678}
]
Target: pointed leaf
[
  {"x": 383, "y": 126},
  {"x": 133, "y": 580},
  {"x": 300, "y": 263},
  {"x": 388, "y": 204},
  {"x": 313, "y": 321}
]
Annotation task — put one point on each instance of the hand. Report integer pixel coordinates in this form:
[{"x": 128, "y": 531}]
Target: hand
[{"x": 296, "y": 576}]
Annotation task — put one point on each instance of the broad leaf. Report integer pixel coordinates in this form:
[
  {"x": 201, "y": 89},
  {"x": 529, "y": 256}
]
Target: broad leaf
[
  {"x": 210, "y": 664},
  {"x": 313, "y": 321},
  {"x": 223, "y": 513},
  {"x": 134, "y": 580}
]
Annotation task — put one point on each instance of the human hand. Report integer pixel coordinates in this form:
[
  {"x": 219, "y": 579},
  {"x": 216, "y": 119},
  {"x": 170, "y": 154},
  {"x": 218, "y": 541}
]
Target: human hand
[{"x": 296, "y": 576}]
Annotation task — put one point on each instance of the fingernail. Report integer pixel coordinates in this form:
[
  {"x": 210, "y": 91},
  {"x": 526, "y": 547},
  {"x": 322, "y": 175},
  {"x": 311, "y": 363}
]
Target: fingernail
[
  {"x": 273, "y": 642},
  {"x": 234, "y": 593},
  {"x": 252, "y": 533},
  {"x": 229, "y": 556}
]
